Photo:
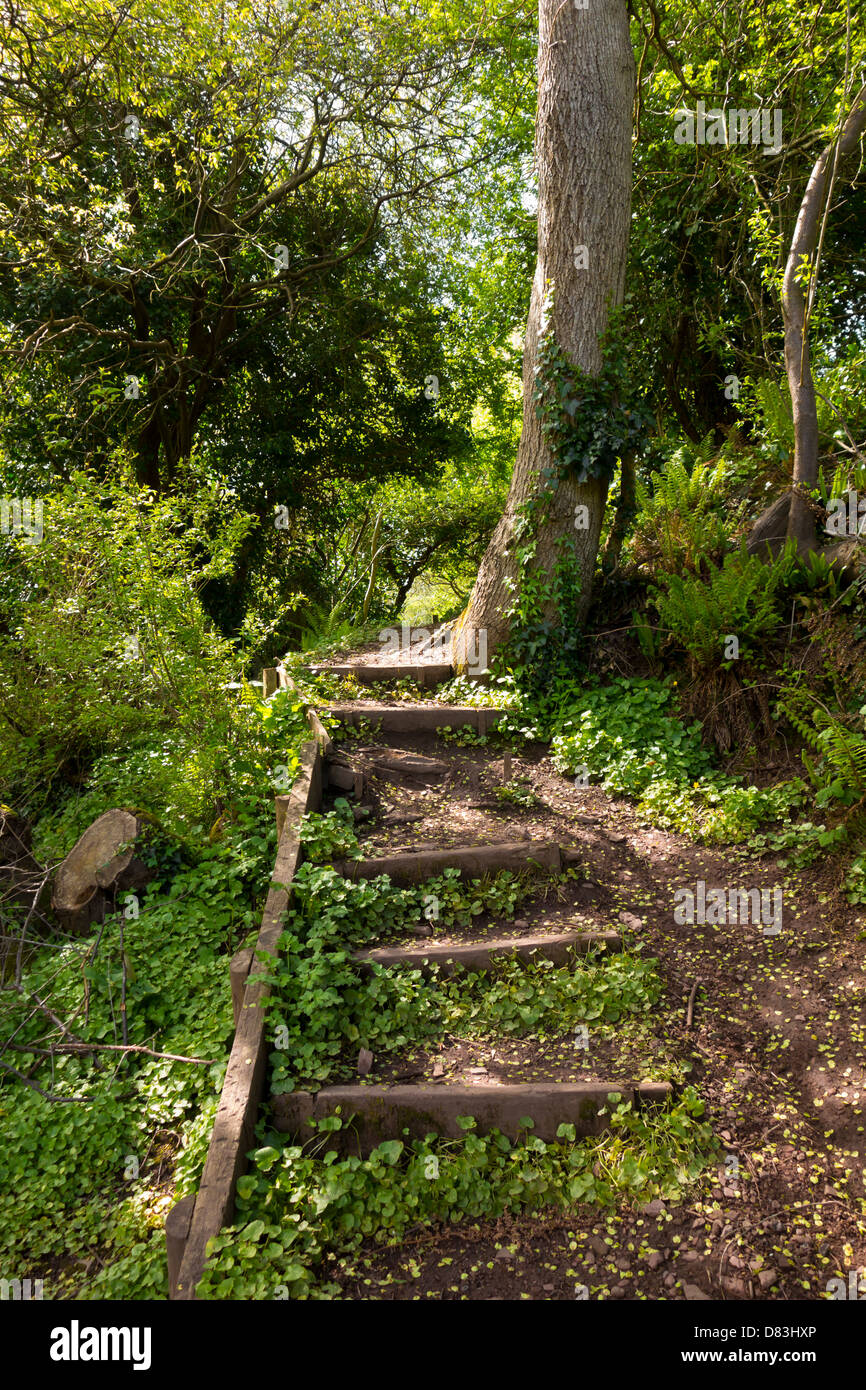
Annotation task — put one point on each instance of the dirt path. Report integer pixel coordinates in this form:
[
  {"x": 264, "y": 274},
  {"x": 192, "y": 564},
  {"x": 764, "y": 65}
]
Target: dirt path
[{"x": 776, "y": 1050}]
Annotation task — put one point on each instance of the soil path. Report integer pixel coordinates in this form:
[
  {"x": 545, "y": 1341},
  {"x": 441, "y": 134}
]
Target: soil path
[{"x": 777, "y": 1049}]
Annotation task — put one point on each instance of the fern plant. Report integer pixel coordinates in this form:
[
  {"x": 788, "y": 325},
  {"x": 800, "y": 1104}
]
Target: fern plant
[
  {"x": 684, "y": 517},
  {"x": 839, "y": 773},
  {"x": 736, "y": 600}
]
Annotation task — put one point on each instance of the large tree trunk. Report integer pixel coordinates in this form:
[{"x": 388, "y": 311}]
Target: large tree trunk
[
  {"x": 801, "y": 521},
  {"x": 583, "y": 153}
]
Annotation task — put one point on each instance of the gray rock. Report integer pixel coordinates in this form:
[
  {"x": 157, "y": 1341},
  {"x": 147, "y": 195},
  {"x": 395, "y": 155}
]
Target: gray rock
[
  {"x": 767, "y": 536},
  {"x": 734, "y": 1286},
  {"x": 629, "y": 920},
  {"x": 694, "y": 1294}
]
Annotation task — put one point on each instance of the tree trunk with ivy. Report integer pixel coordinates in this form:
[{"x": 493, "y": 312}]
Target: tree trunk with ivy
[{"x": 586, "y": 80}]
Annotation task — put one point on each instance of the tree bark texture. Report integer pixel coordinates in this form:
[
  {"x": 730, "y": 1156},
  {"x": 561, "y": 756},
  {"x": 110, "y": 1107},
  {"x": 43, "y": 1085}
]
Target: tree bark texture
[
  {"x": 586, "y": 78},
  {"x": 801, "y": 520}
]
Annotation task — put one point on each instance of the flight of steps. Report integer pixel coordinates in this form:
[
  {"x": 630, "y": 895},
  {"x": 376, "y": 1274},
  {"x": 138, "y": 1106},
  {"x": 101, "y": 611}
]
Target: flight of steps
[{"x": 384, "y": 1112}]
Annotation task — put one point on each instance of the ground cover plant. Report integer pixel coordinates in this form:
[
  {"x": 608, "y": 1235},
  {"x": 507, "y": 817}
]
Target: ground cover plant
[{"x": 310, "y": 376}]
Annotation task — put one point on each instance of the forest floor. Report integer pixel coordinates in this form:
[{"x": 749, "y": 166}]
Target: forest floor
[{"x": 776, "y": 1051}]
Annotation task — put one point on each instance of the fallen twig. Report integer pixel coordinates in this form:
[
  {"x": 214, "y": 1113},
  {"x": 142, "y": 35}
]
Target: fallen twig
[
  {"x": 19, "y": 957},
  {"x": 62, "y": 1100},
  {"x": 40, "y": 1004},
  {"x": 111, "y": 1047},
  {"x": 691, "y": 1005}
]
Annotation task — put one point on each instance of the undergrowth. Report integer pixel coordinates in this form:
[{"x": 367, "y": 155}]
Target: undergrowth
[{"x": 299, "y": 1213}]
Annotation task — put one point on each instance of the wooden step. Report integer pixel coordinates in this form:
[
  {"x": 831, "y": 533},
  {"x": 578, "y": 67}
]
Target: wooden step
[
  {"x": 384, "y": 1112},
  {"x": 483, "y": 955},
  {"x": 416, "y": 719},
  {"x": 425, "y": 673},
  {"x": 396, "y": 765},
  {"x": 415, "y": 866}
]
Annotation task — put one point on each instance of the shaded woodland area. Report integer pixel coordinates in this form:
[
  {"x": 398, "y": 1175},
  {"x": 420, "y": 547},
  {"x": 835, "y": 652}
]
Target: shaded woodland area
[{"x": 504, "y": 360}]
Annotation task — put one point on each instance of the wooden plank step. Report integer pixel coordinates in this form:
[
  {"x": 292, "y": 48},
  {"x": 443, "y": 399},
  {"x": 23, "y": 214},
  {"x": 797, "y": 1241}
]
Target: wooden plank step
[
  {"x": 384, "y": 1112},
  {"x": 397, "y": 765},
  {"x": 425, "y": 673},
  {"x": 416, "y": 719},
  {"x": 414, "y": 866},
  {"x": 482, "y": 955}
]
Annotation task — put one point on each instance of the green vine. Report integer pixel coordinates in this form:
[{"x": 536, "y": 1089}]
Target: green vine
[{"x": 589, "y": 422}]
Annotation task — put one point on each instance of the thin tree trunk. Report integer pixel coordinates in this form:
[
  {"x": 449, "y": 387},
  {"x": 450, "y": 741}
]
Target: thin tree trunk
[
  {"x": 583, "y": 153},
  {"x": 374, "y": 567},
  {"x": 801, "y": 521},
  {"x": 625, "y": 510}
]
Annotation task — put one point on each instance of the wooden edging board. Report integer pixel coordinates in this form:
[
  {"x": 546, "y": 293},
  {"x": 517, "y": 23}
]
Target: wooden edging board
[
  {"x": 192, "y": 1223},
  {"x": 320, "y": 733}
]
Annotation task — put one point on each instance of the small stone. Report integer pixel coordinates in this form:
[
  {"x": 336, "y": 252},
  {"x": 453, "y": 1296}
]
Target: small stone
[
  {"x": 619, "y": 1291},
  {"x": 423, "y": 929},
  {"x": 670, "y": 1280},
  {"x": 629, "y": 920},
  {"x": 767, "y": 1278},
  {"x": 655, "y": 1259},
  {"x": 691, "y": 1255},
  {"x": 503, "y": 1255},
  {"x": 365, "y": 1061},
  {"x": 521, "y": 923},
  {"x": 694, "y": 1294},
  {"x": 477, "y": 1071},
  {"x": 654, "y": 1208},
  {"x": 735, "y": 1286},
  {"x": 548, "y": 1288},
  {"x": 438, "y": 1067}
]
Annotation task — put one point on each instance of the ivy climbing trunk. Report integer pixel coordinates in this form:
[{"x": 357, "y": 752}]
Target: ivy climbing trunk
[{"x": 586, "y": 80}]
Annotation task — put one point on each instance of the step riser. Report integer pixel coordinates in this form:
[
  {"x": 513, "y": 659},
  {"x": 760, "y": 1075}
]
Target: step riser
[
  {"x": 417, "y": 719},
  {"x": 558, "y": 949},
  {"x": 383, "y": 1112},
  {"x": 416, "y": 867},
  {"x": 344, "y": 779},
  {"x": 426, "y": 674}
]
